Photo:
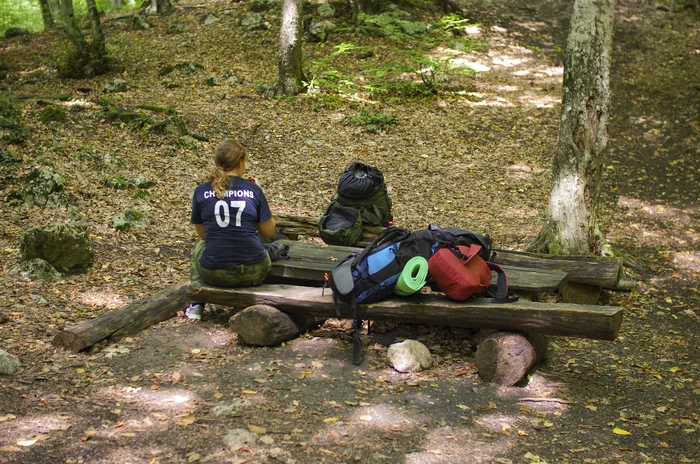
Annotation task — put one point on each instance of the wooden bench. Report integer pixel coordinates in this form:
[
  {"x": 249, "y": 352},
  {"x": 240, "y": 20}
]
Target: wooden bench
[
  {"x": 585, "y": 274},
  {"x": 596, "y": 322},
  {"x": 309, "y": 262}
]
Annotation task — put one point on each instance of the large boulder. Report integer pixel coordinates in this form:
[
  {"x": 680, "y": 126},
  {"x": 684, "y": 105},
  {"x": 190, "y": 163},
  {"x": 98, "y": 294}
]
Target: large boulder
[
  {"x": 44, "y": 187},
  {"x": 263, "y": 325},
  {"x": 253, "y": 22},
  {"x": 409, "y": 356},
  {"x": 9, "y": 363},
  {"x": 64, "y": 246},
  {"x": 35, "y": 269},
  {"x": 319, "y": 31}
]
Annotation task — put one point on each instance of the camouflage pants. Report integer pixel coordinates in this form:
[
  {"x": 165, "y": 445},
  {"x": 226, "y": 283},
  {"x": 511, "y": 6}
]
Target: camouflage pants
[{"x": 243, "y": 275}]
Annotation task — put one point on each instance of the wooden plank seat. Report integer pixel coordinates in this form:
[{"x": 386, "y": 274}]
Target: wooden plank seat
[
  {"x": 588, "y": 321},
  {"x": 309, "y": 261},
  {"x": 596, "y": 271}
]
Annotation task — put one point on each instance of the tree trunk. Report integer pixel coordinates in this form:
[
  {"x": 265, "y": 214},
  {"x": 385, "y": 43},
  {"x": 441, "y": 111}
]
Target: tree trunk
[
  {"x": 291, "y": 75},
  {"x": 571, "y": 225},
  {"x": 70, "y": 24},
  {"x": 46, "y": 14},
  {"x": 365, "y": 6},
  {"x": 98, "y": 55},
  {"x": 160, "y": 7}
]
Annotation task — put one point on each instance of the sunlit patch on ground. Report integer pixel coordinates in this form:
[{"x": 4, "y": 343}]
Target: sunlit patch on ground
[
  {"x": 106, "y": 298},
  {"x": 151, "y": 398},
  {"x": 459, "y": 444}
]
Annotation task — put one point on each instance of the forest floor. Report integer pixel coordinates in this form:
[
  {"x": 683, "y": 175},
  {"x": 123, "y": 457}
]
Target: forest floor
[{"x": 477, "y": 155}]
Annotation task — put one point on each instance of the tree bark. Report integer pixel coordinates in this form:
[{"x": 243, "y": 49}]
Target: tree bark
[
  {"x": 98, "y": 55},
  {"x": 365, "y": 6},
  {"x": 70, "y": 25},
  {"x": 291, "y": 75},
  {"x": 46, "y": 14},
  {"x": 127, "y": 321},
  {"x": 571, "y": 225},
  {"x": 160, "y": 7}
]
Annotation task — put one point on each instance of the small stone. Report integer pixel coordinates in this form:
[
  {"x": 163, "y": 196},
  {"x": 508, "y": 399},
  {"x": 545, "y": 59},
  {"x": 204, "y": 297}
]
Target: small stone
[
  {"x": 116, "y": 86},
  {"x": 409, "y": 356},
  {"x": 238, "y": 437},
  {"x": 9, "y": 363},
  {"x": 209, "y": 19}
]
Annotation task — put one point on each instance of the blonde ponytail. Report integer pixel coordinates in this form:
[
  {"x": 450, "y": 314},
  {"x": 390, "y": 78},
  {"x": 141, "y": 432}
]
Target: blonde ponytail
[
  {"x": 228, "y": 156},
  {"x": 219, "y": 182}
]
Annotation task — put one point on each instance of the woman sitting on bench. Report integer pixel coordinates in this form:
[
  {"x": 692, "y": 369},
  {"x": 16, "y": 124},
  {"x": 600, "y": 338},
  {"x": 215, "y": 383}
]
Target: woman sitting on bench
[{"x": 228, "y": 212}]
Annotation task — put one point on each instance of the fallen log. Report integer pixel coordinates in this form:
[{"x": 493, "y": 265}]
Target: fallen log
[
  {"x": 597, "y": 322},
  {"x": 126, "y": 321},
  {"x": 598, "y": 271}
]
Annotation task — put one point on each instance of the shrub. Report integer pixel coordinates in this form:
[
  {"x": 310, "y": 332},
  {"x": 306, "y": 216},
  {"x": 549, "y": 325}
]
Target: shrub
[{"x": 373, "y": 121}]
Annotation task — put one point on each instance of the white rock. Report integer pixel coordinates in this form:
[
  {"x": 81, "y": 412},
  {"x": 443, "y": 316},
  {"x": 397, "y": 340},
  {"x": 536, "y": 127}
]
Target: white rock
[
  {"x": 239, "y": 436},
  {"x": 409, "y": 356}
]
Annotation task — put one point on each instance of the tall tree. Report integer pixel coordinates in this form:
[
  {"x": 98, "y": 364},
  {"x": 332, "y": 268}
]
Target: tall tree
[
  {"x": 291, "y": 75},
  {"x": 571, "y": 225},
  {"x": 46, "y": 14},
  {"x": 89, "y": 58},
  {"x": 160, "y": 7}
]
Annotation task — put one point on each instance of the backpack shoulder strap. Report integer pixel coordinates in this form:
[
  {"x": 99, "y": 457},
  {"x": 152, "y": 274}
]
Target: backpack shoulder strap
[{"x": 502, "y": 285}]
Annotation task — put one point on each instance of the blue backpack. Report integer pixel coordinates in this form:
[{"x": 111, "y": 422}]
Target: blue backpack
[{"x": 370, "y": 275}]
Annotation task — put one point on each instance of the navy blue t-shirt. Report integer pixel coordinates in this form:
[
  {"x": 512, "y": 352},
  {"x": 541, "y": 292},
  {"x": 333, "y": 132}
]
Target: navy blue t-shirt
[{"x": 230, "y": 225}]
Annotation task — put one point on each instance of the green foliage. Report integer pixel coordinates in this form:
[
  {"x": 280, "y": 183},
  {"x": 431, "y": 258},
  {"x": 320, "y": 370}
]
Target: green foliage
[
  {"x": 142, "y": 195},
  {"x": 118, "y": 182},
  {"x": 8, "y": 163},
  {"x": 158, "y": 109},
  {"x": 11, "y": 130},
  {"x": 453, "y": 22},
  {"x": 27, "y": 14},
  {"x": 53, "y": 113},
  {"x": 373, "y": 121}
]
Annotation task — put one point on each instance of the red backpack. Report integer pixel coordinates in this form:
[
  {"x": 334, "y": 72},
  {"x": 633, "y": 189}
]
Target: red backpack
[{"x": 460, "y": 272}]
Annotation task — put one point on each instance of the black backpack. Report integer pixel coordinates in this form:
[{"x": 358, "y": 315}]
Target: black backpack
[
  {"x": 362, "y": 187},
  {"x": 371, "y": 275}
]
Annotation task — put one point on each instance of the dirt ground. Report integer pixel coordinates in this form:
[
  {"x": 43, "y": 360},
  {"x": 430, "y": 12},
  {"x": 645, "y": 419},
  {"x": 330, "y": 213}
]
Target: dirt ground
[{"x": 191, "y": 392}]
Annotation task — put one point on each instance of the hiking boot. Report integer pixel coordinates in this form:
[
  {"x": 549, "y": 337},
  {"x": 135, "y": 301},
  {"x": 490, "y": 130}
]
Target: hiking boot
[
  {"x": 276, "y": 251},
  {"x": 194, "y": 311}
]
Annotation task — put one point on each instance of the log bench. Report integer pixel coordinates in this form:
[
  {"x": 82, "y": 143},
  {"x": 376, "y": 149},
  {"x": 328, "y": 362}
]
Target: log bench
[
  {"x": 310, "y": 261},
  {"x": 504, "y": 357},
  {"x": 586, "y": 275},
  {"x": 589, "y": 321},
  {"x": 293, "y": 287}
]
